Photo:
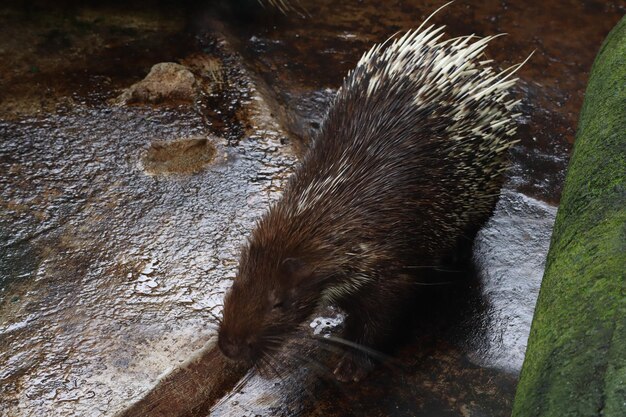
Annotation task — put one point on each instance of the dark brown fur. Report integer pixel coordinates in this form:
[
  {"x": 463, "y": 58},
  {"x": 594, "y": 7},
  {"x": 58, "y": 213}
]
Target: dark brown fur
[{"x": 381, "y": 193}]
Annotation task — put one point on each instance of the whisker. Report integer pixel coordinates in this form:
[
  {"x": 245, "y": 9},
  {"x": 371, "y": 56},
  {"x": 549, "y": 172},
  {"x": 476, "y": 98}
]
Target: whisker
[
  {"x": 332, "y": 348},
  {"x": 258, "y": 368},
  {"x": 217, "y": 318},
  {"x": 247, "y": 377},
  {"x": 433, "y": 284},
  {"x": 421, "y": 266},
  {"x": 438, "y": 268},
  {"x": 267, "y": 360},
  {"x": 317, "y": 365},
  {"x": 242, "y": 382},
  {"x": 369, "y": 351}
]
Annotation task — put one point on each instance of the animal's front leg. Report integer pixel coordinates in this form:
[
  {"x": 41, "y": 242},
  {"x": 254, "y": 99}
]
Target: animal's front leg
[{"x": 374, "y": 314}]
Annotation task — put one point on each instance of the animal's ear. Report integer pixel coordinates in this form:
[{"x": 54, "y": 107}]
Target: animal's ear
[{"x": 295, "y": 270}]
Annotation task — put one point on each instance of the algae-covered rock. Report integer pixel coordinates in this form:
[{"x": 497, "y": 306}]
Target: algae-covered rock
[{"x": 576, "y": 359}]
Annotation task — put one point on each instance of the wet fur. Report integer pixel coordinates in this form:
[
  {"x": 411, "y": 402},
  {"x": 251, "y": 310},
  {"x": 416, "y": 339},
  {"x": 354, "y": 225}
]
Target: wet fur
[{"x": 406, "y": 167}]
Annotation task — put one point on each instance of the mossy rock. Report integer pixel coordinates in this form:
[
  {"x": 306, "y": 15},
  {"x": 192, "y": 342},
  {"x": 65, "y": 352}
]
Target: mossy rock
[{"x": 576, "y": 359}]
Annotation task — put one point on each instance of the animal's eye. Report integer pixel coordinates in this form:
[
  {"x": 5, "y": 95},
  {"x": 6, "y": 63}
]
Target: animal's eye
[{"x": 278, "y": 305}]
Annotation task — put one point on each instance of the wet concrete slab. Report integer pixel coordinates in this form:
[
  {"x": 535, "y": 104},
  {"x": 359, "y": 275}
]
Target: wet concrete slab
[
  {"x": 105, "y": 303},
  {"x": 97, "y": 302},
  {"x": 112, "y": 272}
]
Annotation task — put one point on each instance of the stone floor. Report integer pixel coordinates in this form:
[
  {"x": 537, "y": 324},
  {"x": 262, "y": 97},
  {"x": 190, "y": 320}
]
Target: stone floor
[{"x": 114, "y": 259}]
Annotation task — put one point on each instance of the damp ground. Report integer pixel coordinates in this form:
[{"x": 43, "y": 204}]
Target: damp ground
[{"x": 121, "y": 219}]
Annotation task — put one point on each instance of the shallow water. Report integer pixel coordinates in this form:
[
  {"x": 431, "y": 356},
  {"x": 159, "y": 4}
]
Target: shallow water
[{"x": 110, "y": 275}]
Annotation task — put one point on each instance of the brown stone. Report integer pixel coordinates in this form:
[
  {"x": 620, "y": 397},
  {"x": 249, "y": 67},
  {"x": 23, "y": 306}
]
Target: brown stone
[{"x": 166, "y": 81}]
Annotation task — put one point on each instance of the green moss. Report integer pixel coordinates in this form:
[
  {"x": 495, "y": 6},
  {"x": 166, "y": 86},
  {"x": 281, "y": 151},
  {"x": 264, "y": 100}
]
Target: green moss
[{"x": 576, "y": 359}]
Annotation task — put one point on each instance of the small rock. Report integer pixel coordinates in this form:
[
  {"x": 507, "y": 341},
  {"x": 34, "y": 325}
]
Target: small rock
[{"x": 166, "y": 81}]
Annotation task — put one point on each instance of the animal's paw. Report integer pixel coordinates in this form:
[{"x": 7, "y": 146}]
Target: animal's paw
[{"x": 353, "y": 367}]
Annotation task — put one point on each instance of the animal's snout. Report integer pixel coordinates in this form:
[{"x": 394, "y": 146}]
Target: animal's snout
[{"x": 235, "y": 349}]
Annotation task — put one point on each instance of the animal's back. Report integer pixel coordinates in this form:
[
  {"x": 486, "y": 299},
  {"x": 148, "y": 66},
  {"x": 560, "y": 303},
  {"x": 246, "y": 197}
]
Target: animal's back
[{"x": 411, "y": 151}]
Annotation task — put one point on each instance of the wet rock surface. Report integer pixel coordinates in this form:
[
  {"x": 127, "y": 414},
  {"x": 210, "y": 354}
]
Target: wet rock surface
[
  {"x": 184, "y": 156},
  {"x": 108, "y": 303},
  {"x": 111, "y": 273},
  {"x": 167, "y": 81},
  {"x": 96, "y": 301}
]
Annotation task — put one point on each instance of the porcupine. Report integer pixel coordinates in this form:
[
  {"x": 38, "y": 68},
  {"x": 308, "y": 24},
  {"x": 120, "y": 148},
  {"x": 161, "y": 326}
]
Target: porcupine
[
  {"x": 407, "y": 165},
  {"x": 283, "y": 6}
]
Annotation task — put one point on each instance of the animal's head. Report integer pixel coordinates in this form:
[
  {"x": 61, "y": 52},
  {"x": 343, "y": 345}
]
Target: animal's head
[{"x": 271, "y": 295}]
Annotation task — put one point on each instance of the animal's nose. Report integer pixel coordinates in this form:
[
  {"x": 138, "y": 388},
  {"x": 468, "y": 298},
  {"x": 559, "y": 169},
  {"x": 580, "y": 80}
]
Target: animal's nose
[{"x": 233, "y": 349}]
